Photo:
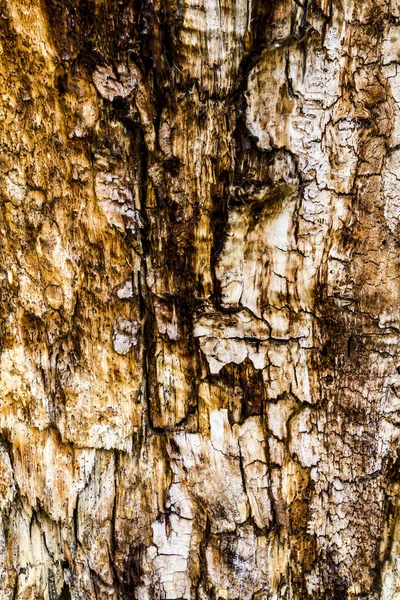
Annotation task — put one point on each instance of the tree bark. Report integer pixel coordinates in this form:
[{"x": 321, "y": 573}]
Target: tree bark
[{"x": 200, "y": 283}]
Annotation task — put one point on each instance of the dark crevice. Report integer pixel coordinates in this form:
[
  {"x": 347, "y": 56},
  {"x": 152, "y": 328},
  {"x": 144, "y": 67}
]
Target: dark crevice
[{"x": 65, "y": 593}]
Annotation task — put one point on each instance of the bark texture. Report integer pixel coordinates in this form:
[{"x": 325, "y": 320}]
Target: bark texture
[{"x": 199, "y": 291}]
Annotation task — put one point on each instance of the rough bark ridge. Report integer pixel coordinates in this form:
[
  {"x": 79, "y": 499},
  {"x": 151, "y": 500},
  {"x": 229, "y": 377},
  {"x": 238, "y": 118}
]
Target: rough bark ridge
[{"x": 200, "y": 275}]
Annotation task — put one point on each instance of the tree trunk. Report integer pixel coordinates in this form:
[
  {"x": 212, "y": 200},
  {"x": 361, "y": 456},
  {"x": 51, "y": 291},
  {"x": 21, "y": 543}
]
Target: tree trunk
[{"x": 200, "y": 284}]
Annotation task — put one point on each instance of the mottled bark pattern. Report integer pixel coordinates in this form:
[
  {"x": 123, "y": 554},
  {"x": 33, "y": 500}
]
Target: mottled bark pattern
[{"x": 199, "y": 291}]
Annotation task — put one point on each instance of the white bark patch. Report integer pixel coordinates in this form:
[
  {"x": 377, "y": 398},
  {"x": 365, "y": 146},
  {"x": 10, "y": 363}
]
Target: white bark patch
[
  {"x": 391, "y": 46},
  {"x": 173, "y": 539},
  {"x": 210, "y": 468},
  {"x": 223, "y": 340},
  {"x": 305, "y": 440},
  {"x": 125, "y": 335},
  {"x": 256, "y": 472},
  {"x": 391, "y": 182},
  {"x": 126, "y": 291},
  {"x": 278, "y": 416}
]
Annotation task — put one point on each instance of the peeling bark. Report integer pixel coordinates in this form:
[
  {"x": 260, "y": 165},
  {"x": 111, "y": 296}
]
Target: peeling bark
[{"x": 199, "y": 325}]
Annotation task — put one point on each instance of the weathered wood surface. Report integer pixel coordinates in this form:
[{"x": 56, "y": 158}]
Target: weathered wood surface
[{"x": 200, "y": 299}]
